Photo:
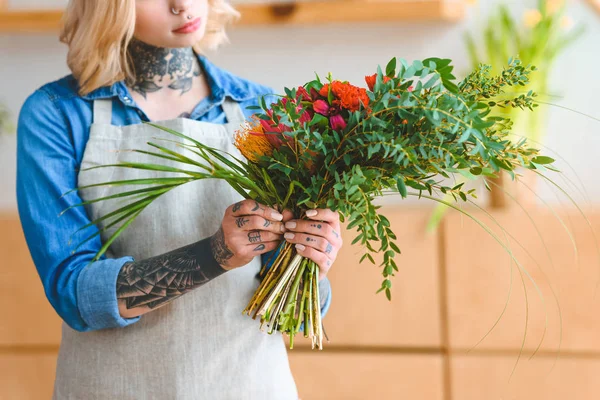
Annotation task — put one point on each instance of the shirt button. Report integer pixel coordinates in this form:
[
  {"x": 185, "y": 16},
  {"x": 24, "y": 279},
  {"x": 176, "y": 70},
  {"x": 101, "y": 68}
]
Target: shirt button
[{"x": 127, "y": 100}]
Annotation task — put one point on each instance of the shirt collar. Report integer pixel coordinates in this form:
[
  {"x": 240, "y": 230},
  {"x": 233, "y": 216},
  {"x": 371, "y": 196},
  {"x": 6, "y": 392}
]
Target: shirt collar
[{"x": 221, "y": 82}]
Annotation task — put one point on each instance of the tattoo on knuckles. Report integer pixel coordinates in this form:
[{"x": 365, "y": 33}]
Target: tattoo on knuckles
[
  {"x": 236, "y": 206},
  {"x": 329, "y": 248},
  {"x": 259, "y": 247},
  {"x": 256, "y": 207},
  {"x": 267, "y": 223},
  {"x": 254, "y": 236},
  {"x": 241, "y": 221}
]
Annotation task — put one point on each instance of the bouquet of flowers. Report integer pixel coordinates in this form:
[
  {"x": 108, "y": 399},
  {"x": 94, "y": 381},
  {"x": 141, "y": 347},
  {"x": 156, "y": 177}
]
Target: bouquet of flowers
[{"x": 338, "y": 146}]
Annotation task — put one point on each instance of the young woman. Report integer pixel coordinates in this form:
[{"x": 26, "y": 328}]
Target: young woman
[{"x": 127, "y": 334}]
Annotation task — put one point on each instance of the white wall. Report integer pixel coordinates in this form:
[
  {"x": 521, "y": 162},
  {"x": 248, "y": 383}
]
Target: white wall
[{"x": 280, "y": 56}]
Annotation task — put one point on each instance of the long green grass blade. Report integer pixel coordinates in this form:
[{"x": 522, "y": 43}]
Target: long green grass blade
[
  {"x": 106, "y": 227},
  {"x": 150, "y": 167},
  {"x": 144, "y": 181},
  {"x": 135, "y": 205},
  {"x": 214, "y": 152},
  {"x": 114, "y": 236},
  {"x": 176, "y": 159},
  {"x": 123, "y": 194},
  {"x": 179, "y": 157}
]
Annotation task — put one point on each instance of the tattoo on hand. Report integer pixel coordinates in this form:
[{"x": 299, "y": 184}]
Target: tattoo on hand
[
  {"x": 329, "y": 248},
  {"x": 236, "y": 206},
  {"x": 220, "y": 250},
  {"x": 256, "y": 207},
  {"x": 241, "y": 221},
  {"x": 318, "y": 226},
  {"x": 254, "y": 236},
  {"x": 336, "y": 234},
  {"x": 259, "y": 247},
  {"x": 309, "y": 239},
  {"x": 267, "y": 223}
]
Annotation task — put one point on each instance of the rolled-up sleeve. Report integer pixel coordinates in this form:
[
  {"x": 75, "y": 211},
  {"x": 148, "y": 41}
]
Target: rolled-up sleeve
[{"x": 82, "y": 293}]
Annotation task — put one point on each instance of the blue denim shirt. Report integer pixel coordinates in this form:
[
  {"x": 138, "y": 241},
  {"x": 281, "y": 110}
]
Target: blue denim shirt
[{"x": 53, "y": 129}]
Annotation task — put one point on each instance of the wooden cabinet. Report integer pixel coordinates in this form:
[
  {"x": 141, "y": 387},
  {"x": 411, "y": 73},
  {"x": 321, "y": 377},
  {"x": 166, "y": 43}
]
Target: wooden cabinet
[
  {"x": 451, "y": 288},
  {"x": 359, "y": 376},
  {"x": 27, "y": 376}
]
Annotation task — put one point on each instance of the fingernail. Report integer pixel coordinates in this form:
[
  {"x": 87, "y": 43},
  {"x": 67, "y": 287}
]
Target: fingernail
[
  {"x": 282, "y": 228},
  {"x": 289, "y": 235},
  {"x": 311, "y": 213},
  {"x": 300, "y": 247},
  {"x": 276, "y": 216},
  {"x": 290, "y": 225}
]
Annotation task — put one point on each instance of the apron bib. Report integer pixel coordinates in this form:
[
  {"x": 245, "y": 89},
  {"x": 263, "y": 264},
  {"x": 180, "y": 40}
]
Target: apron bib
[{"x": 200, "y": 346}]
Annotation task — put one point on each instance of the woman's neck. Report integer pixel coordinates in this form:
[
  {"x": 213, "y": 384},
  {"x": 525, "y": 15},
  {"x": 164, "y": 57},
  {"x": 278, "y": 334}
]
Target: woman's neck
[{"x": 161, "y": 69}]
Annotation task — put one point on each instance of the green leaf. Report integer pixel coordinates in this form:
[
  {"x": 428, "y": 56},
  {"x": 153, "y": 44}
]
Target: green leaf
[
  {"x": 542, "y": 160},
  {"x": 475, "y": 170},
  {"x": 401, "y": 186},
  {"x": 390, "y": 69}
]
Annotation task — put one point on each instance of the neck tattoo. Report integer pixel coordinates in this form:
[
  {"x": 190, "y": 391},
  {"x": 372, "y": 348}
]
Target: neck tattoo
[{"x": 158, "y": 68}]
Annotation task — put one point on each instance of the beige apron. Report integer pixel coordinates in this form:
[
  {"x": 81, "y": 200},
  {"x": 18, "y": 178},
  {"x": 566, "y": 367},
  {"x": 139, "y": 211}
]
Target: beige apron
[{"x": 200, "y": 346}]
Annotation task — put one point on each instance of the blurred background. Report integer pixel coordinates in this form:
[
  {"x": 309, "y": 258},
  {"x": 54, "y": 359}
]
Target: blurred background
[{"x": 463, "y": 323}]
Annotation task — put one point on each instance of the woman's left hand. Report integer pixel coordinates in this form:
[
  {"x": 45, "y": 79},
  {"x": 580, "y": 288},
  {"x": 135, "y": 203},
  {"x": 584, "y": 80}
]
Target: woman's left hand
[{"x": 318, "y": 239}]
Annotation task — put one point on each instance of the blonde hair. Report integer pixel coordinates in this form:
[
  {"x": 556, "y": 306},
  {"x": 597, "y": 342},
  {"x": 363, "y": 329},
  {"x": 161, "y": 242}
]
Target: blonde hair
[{"x": 98, "y": 56}]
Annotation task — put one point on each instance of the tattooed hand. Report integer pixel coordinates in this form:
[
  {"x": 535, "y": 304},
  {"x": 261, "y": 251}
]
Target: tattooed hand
[
  {"x": 248, "y": 229},
  {"x": 318, "y": 239}
]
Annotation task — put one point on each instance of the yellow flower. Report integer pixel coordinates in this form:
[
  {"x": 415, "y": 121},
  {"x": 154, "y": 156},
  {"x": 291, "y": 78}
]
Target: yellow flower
[
  {"x": 252, "y": 142},
  {"x": 532, "y": 18},
  {"x": 553, "y": 6}
]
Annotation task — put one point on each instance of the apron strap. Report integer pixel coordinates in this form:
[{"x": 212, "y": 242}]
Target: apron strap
[
  {"x": 103, "y": 111},
  {"x": 233, "y": 111}
]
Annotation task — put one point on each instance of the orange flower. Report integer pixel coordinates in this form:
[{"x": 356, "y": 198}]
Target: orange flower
[
  {"x": 373, "y": 78},
  {"x": 252, "y": 142},
  {"x": 350, "y": 96}
]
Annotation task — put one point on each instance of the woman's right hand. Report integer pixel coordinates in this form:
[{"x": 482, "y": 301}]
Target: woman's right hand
[{"x": 248, "y": 229}]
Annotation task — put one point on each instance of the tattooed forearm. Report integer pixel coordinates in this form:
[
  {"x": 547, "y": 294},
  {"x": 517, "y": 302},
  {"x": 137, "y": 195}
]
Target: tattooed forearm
[{"x": 155, "y": 281}]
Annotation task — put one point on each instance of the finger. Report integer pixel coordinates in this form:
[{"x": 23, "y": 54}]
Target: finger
[
  {"x": 254, "y": 222},
  {"x": 287, "y": 215},
  {"x": 323, "y": 214},
  {"x": 317, "y": 228},
  {"x": 261, "y": 236},
  {"x": 317, "y": 242},
  {"x": 253, "y": 207},
  {"x": 318, "y": 257},
  {"x": 262, "y": 248}
]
